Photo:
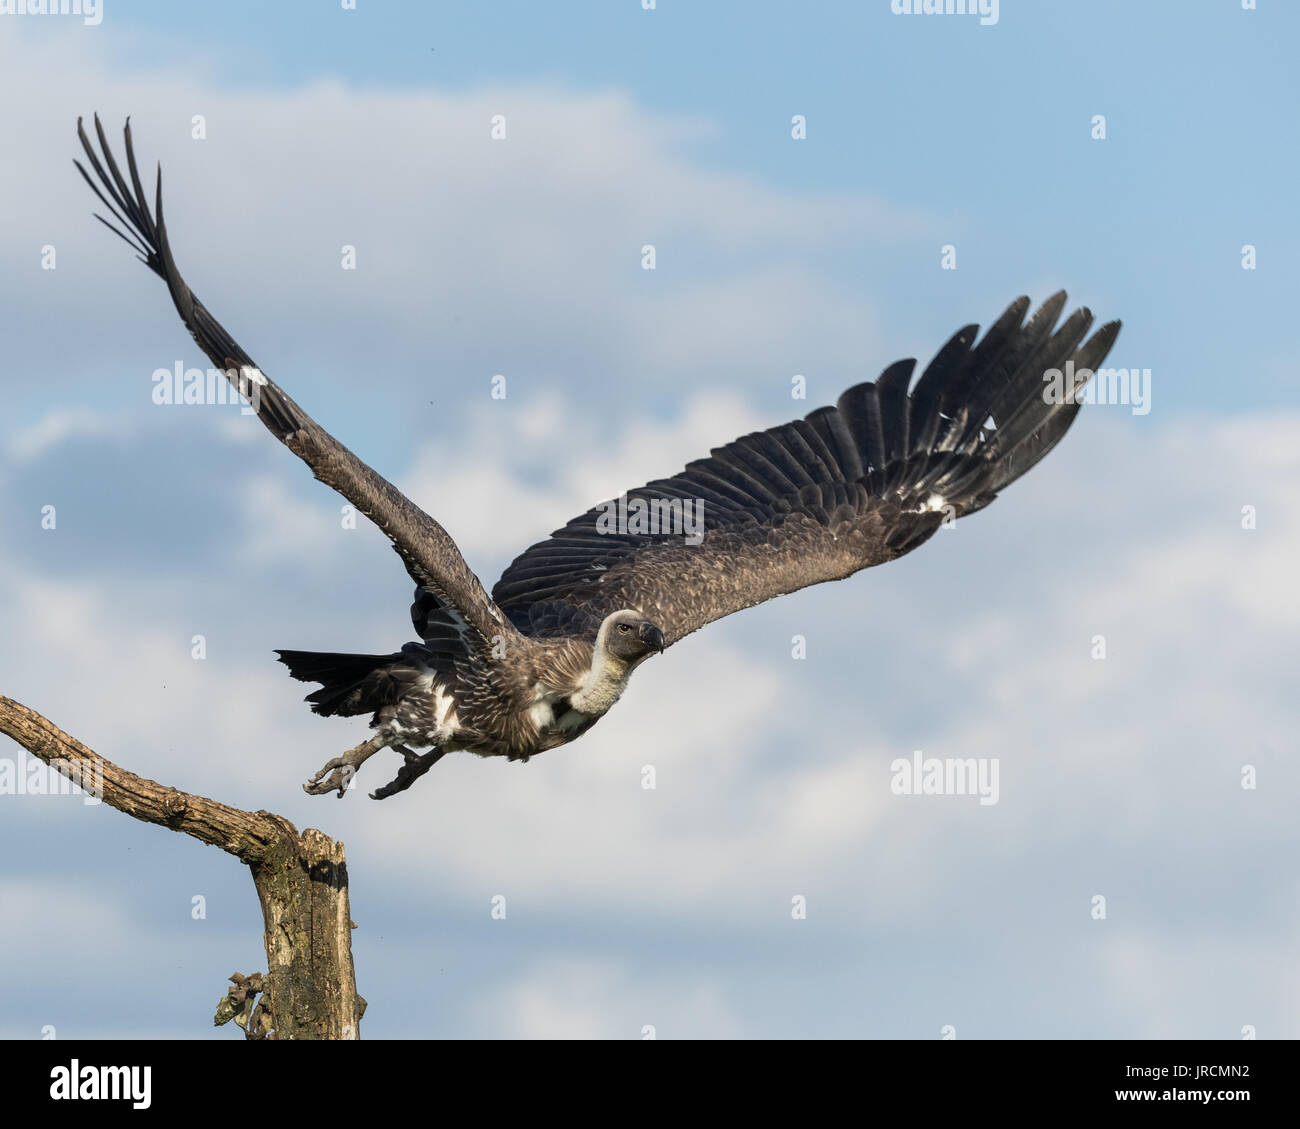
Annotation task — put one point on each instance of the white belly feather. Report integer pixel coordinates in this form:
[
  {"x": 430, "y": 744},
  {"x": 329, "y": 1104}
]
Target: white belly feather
[{"x": 542, "y": 711}]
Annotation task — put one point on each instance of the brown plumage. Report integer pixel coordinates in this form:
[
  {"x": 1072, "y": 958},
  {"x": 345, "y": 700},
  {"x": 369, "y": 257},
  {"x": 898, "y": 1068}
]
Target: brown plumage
[{"x": 537, "y": 663}]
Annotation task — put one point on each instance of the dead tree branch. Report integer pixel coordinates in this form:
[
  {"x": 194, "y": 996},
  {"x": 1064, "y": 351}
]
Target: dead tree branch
[{"x": 309, "y": 990}]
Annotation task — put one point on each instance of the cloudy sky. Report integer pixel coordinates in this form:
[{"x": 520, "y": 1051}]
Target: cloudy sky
[{"x": 1120, "y": 777}]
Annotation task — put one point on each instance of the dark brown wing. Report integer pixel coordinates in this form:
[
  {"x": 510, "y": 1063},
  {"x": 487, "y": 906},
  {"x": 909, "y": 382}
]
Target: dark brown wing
[
  {"x": 429, "y": 553},
  {"x": 818, "y": 499}
]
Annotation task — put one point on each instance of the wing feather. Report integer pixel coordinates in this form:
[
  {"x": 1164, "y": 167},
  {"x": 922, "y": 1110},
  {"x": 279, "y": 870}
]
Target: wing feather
[
  {"x": 429, "y": 553},
  {"x": 818, "y": 499}
]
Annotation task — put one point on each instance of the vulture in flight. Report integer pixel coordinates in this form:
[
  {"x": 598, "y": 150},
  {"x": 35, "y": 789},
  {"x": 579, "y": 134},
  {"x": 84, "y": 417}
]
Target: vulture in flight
[{"x": 543, "y": 658}]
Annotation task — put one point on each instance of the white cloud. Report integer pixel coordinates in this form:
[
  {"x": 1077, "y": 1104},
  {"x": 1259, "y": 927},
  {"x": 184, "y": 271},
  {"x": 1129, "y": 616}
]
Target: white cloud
[
  {"x": 58, "y": 426},
  {"x": 572, "y": 1000}
]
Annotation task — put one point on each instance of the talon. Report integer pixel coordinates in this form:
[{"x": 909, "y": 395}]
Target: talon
[
  {"x": 415, "y": 766},
  {"x": 336, "y": 774}
]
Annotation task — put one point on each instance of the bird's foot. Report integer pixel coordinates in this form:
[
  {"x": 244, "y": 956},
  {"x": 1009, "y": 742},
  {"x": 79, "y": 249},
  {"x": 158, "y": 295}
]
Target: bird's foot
[
  {"x": 337, "y": 774},
  {"x": 413, "y": 767}
]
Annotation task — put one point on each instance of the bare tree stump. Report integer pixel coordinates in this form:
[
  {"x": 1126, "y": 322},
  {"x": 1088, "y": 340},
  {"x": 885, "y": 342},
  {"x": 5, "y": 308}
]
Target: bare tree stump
[{"x": 309, "y": 989}]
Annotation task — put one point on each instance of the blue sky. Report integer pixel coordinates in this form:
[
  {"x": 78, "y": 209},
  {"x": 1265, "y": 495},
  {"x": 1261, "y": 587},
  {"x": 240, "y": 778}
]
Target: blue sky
[
  {"x": 924, "y": 110},
  {"x": 775, "y": 256}
]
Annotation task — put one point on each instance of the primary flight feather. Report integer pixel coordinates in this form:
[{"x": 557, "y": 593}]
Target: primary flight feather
[{"x": 542, "y": 659}]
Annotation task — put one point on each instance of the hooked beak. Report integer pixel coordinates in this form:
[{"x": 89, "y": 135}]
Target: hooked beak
[{"x": 651, "y": 634}]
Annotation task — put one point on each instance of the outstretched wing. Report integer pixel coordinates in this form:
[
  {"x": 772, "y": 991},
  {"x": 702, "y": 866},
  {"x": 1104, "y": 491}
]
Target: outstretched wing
[
  {"x": 818, "y": 499},
  {"x": 430, "y": 555}
]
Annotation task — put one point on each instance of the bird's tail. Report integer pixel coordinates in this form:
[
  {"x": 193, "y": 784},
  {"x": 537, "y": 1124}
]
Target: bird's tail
[
  {"x": 350, "y": 684},
  {"x": 977, "y": 418}
]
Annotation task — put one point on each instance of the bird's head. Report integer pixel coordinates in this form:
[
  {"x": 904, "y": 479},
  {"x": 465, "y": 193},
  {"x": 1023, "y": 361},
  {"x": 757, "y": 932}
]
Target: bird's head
[{"x": 629, "y": 636}]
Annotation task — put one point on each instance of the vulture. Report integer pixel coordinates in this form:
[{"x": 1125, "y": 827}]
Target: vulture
[{"x": 538, "y": 662}]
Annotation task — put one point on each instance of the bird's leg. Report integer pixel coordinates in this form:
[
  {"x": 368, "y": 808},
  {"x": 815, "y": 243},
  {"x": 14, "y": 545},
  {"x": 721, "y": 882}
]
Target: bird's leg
[
  {"x": 415, "y": 765},
  {"x": 343, "y": 768}
]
